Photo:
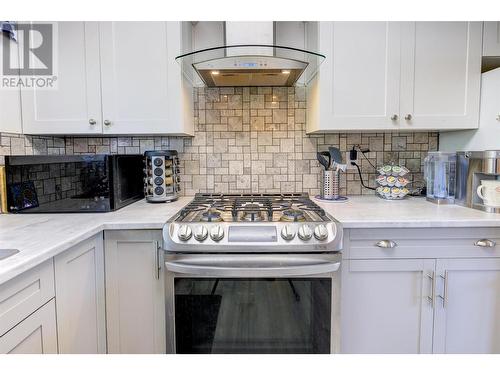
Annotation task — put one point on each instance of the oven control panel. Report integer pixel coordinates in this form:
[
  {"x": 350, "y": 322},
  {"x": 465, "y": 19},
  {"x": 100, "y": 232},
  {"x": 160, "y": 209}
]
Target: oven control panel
[{"x": 321, "y": 236}]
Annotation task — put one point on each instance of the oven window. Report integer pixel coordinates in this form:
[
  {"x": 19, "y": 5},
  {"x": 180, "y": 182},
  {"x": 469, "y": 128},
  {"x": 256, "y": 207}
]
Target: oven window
[{"x": 275, "y": 315}]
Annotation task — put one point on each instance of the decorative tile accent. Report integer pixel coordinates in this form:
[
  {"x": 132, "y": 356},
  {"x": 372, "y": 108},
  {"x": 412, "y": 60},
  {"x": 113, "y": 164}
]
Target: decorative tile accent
[{"x": 249, "y": 139}]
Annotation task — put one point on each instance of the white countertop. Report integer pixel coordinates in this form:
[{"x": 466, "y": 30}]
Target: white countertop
[
  {"x": 374, "y": 212},
  {"x": 39, "y": 237}
]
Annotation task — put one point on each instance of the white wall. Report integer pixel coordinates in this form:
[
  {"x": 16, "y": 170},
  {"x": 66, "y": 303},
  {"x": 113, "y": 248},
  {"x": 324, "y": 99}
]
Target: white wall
[{"x": 487, "y": 137}]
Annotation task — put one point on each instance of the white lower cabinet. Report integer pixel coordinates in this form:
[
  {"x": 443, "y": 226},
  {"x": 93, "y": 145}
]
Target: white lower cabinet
[
  {"x": 135, "y": 299},
  {"x": 34, "y": 335},
  {"x": 467, "y": 312},
  {"x": 385, "y": 307},
  {"x": 446, "y": 302},
  {"x": 81, "y": 314}
]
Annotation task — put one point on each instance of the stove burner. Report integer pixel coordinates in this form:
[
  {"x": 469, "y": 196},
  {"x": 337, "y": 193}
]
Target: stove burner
[
  {"x": 252, "y": 211},
  {"x": 211, "y": 214},
  {"x": 293, "y": 214}
]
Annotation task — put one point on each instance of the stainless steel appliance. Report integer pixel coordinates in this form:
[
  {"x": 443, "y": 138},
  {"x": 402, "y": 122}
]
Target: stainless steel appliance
[
  {"x": 252, "y": 273},
  {"x": 250, "y": 57},
  {"x": 72, "y": 183},
  {"x": 472, "y": 168},
  {"x": 161, "y": 176},
  {"x": 439, "y": 171}
]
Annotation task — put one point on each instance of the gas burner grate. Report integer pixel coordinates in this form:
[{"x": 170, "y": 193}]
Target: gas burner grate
[{"x": 252, "y": 207}]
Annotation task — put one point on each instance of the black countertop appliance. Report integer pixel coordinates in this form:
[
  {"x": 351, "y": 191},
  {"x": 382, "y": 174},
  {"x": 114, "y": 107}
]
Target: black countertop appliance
[{"x": 73, "y": 183}]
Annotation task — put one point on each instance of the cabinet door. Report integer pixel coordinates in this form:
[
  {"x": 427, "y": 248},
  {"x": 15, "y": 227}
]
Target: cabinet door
[
  {"x": 359, "y": 79},
  {"x": 491, "y": 39},
  {"x": 440, "y": 75},
  {"x": 135, "y": 300},
  {"x": 385, "y": 306},
  {"x": 467, "y": 306},
  {"x": 10, "y": 99},
  {"x": 69, "y": 108},
  {"x": 81, "y": 315},
  {"x": 34, "y": 335},
  {"x": 140, "y": 77}
]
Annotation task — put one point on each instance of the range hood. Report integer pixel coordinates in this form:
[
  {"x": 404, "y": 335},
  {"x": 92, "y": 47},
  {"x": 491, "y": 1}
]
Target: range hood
[{"x": 250, "y": 58}]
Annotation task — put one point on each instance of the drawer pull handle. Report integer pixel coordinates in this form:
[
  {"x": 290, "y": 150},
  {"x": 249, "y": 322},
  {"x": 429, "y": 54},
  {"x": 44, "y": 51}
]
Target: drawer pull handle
[
  {"x": 485, "y": 243},
  {"x": 386, "y": 244}
]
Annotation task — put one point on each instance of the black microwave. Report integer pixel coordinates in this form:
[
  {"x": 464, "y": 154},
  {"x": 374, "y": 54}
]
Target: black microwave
[{"x": 73, "y": 183}]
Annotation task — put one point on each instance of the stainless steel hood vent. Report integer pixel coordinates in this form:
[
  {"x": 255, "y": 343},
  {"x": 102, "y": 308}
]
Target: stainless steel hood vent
[{"x": 250, "y": 64}]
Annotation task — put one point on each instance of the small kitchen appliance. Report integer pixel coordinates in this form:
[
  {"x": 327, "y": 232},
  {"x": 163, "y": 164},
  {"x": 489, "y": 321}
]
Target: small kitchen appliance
[
  {"x": 161, "y": 176},
  {"x": 331, "y": 161},
  {"x": 439, "y": 173},
  {"x": 474, "y": 170},
  {"x": 72, "y": 183},
  {"x": 270, "y": 262}
]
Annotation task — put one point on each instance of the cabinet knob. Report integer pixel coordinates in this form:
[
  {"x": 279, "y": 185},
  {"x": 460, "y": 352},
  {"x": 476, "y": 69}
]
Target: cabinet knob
[
  {"x": 485, "y": 243},
  {"x": 408, "y": 117},
  {"x": 394, "y": 117},
  {"x": 107, "y": 122},
  {"x": 386, "y": 244},
  {"x": 92, "y": 121}
]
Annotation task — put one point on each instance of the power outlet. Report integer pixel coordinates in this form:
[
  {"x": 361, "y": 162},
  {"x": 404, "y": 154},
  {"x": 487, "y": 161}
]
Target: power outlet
[{"x": 348, "y": 160}]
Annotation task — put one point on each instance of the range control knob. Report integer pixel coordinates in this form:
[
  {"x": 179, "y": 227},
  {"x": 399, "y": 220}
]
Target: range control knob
[
  {"x": 320, "y": 232},
  {"x": 305, "y": 232},
  {"x": 184, "y": 233},
  {"x": 217, "y": 233},
  {"x": 287, "y": 233},
  {"x": 200, "y": 233}
]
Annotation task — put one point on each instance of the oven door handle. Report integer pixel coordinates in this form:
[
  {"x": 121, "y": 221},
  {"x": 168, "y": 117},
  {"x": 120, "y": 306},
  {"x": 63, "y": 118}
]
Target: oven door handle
[{"x": 252, "y": 265}]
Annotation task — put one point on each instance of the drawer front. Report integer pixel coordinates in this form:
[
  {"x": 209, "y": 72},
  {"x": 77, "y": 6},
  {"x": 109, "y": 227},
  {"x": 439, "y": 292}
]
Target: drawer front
[
  {"x": 422, "y": 243},
  {"x": 34, "y": 335},
  {"x": 24, "y": 294}
]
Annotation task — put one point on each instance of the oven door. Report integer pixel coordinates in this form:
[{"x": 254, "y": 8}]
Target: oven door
[{"x": 253, "y": 303}]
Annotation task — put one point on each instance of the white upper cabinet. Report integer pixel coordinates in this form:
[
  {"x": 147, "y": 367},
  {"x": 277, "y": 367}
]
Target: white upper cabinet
[
  {"x": 74, "y": 106},
  {"x": 10, "y": 99},
  {"x": 142, "y": 86},
  {"x": 396, "y": 76},
  {"x": 115, "y": 78},
  {"x": 440, "y": 75},
  {"x": 491, "y": 39},
  {"x": 358, "y": 83}
]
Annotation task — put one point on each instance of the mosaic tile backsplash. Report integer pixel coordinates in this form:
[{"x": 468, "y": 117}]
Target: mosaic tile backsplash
[{"x": 248, "y": 140}]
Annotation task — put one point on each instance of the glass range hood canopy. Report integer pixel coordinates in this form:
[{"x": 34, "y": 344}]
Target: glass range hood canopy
[{"x": 250, "y": 65}]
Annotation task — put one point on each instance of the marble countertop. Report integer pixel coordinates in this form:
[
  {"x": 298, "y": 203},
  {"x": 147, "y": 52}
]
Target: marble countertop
[
  {"x": 39, "y": 237},
  {"x": 374, "y": 212}
]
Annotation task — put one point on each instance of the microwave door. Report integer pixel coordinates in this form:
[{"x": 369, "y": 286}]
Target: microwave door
[
  {"x": 259, "y": 303},
  {"x": 127, "y": 184}
]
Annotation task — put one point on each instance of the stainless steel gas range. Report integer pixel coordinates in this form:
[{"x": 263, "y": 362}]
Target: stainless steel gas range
[{"x": 252, "y": 273}]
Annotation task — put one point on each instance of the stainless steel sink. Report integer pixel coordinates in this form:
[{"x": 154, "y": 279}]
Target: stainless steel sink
[{"x": 5, "y": 253}]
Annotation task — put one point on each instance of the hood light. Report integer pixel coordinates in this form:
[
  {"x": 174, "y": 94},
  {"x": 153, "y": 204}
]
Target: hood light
[
  {"x": 214, "y": 72},
  {"x": 285, "y": 72}
]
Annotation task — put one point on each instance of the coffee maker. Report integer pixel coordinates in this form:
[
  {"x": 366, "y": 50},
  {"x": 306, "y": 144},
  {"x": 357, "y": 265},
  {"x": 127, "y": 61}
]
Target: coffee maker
[{"x": 473, "y": 169}]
